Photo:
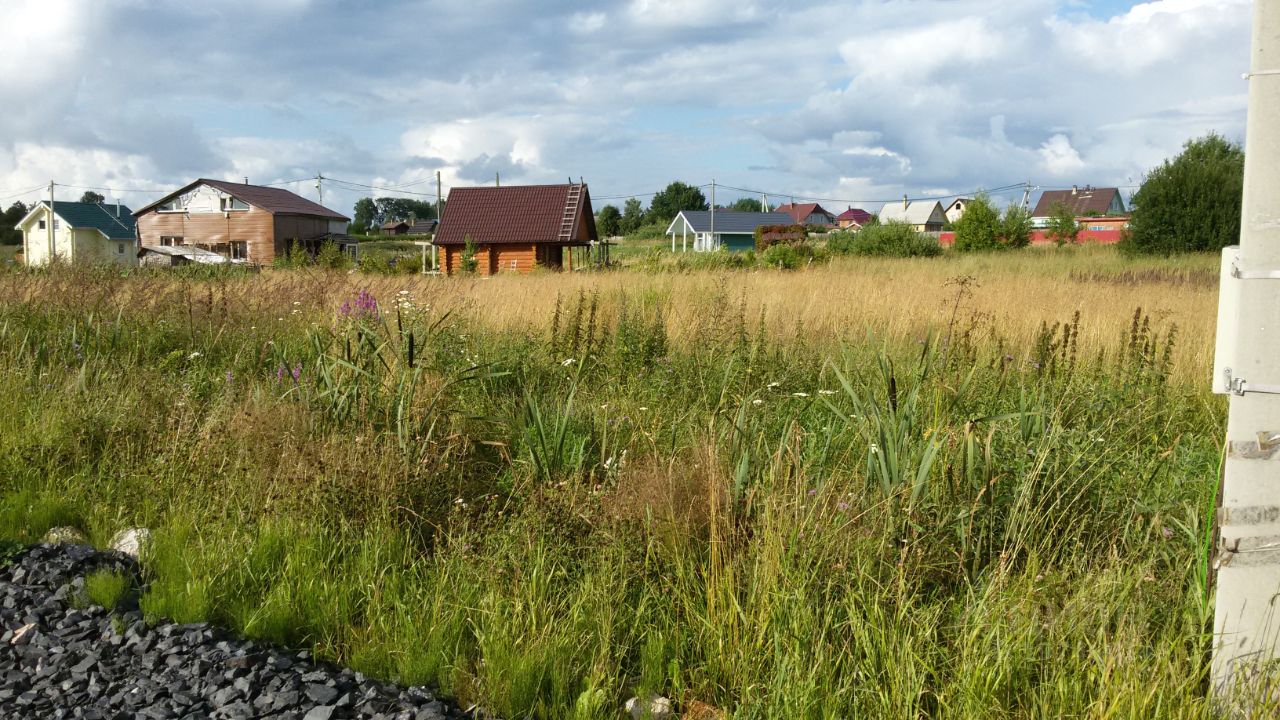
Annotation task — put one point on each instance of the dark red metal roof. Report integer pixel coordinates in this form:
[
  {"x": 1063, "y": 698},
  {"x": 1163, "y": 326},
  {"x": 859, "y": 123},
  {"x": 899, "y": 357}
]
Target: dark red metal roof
[
  {"x": 511, "y": 214},
  {"x": 1080, "y": 201},
  {"x": 856, "y": 215}
]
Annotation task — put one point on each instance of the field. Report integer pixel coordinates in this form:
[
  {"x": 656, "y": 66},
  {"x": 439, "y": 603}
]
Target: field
[{"x": 965, "y": 486}]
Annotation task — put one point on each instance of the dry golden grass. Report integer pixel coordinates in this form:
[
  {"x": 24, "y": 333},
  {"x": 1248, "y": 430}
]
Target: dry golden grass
[{"x": 893, "y": 299}]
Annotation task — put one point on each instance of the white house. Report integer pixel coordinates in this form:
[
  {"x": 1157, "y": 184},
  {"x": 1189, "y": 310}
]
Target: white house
[
  {"x": 79, "y": 232},
  {"x": 923, "y": 215},
  {"x": 955, "y": 210}
]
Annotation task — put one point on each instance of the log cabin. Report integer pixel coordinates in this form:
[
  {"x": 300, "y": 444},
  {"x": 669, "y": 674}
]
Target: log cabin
[
  {"x": 515, "y": 228},
  {"x": 244, "y": 223}
]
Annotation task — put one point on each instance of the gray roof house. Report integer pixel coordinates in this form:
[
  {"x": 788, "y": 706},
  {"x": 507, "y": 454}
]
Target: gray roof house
[
  {"x": 733, "y": 230},
  {"x": 923, "y": 215}
]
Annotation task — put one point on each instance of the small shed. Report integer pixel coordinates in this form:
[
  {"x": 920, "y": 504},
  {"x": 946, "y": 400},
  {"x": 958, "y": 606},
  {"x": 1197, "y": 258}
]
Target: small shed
[
  {"x": 423, "y": 227},
  {"x": 515, "y": 228}
]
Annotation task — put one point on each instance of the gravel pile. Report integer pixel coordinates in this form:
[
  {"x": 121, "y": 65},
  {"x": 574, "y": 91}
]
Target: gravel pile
[{"x": 58, "y": 661}]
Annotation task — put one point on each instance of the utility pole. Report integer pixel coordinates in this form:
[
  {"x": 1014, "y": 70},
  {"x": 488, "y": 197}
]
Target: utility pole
[
  {"x": 1026, "y": 195},
  {"x": 764, "y": 203},
  {"x": 713, "y": 212},
  {"x": 49, "y": 225},
  {"x": 435, "y": 254},
  {"x": 1247, "y": 556},
  {"x": 320, "y": 186}
]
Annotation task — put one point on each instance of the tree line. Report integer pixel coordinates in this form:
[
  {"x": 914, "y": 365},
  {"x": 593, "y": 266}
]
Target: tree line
[{"x": 370, "y": 213}]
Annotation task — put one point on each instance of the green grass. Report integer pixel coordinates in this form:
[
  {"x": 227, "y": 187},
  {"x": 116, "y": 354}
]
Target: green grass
[
  {"x": 106, "y": 588},
  {"x": 548, "y": 521}
]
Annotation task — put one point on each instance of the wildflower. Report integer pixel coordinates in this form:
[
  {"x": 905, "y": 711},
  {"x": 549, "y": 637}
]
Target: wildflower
[
  {"x": 773, "y": 385},
  {"x": 812, "y": 493},
  {"x": 1167, "y": 533},
  {"x": 568, "y": 361},
  {"x": 280, "y": 372},
  {"x": 842, "y": 506},
  {"x": 826, "y": 392},
  {"x": 757, "y": 401},
  {"x": 874, "y": 449},
  {"x": 297, "y": 372},
  {"x": 297, "y": 302},
  {"x": 194, "y": 355},
  {"x": 800, "y": 394},
  {"x": 642, "y": 408},
  {"x": 458, "y": 501},
  {"x": 230, "y": 377}
]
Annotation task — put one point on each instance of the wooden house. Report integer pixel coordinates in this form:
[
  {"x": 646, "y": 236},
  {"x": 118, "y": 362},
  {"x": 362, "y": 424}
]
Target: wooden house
[
  {"x": 515, "y": 228},
  {"x": 394, "y": 227},
  {"x": 78, "y": 232},
  {"x": 923, "y": 215},
  {"x": 1080, "y": 202},
  {"x": 244, "y": 223}
]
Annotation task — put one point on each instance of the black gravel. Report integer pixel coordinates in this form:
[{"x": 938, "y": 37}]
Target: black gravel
[{"x": 97, "y": 664}]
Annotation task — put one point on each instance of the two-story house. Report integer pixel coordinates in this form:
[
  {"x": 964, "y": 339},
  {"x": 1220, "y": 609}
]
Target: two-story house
[{"x": 244, "y": 223}]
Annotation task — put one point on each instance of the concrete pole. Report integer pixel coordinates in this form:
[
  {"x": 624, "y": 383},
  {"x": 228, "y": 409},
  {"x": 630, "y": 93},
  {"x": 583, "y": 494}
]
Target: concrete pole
[
  {"x": 49, "y": 224},
  {"x": 1246, "y": 630},
  {"x": 713, "y": 211}
]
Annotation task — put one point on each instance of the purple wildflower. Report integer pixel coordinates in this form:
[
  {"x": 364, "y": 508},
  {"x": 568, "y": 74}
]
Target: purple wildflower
[
  {"x": 230, "y": 377},
  {"x": 280, "y": 372},
  {"x": 297, "y": 372},
  {"x": 365, "y": 306},
  {"x": 842, "y": 506}
]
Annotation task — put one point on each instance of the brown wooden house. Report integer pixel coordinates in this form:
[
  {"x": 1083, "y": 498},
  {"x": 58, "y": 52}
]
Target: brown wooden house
[
  {"x": 244, "y": 223},
  {"x": 515, "y": 228}
]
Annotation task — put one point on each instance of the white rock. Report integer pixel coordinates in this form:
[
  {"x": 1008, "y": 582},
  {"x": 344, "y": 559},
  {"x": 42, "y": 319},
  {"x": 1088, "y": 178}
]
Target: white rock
[
  {"x": 65, "y": 534},
  {"x": 132, "y": 541},
  {"x": 655, "y": 707}
]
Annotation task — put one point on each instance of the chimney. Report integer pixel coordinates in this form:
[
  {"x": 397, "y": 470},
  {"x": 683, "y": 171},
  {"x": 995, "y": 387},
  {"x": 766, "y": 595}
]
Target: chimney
[
  {"x": 117, "y": 207},
  {"x": 246, "y": 181}
]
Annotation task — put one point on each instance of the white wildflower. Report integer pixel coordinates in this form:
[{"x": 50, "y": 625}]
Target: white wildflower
[
  {"x": 194, "y": 355},
  {"x": 874, "y": 449},
  {"x": 800, "y": 394},
  {"x": 774, "y": 384},
  {"x": 642, "y": 408},
  {"x": 297, "y": 302},
  {"x": 568, "y": 361},
  {"x": 826, "y": 392},
  {"x": 757, "y": 401}
]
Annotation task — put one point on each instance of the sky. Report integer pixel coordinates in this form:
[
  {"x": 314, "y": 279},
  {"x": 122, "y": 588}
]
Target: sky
[{"x": 853, "y": 102}]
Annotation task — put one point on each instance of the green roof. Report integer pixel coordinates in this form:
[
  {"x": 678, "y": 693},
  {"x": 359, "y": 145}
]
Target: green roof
[{"x": 117, "y": 225}]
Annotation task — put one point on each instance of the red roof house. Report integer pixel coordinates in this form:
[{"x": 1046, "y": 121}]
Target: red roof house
[
  {"x": 516, "y": 227},
  {"x": 853, "y": 218},
  {"x": 807, "y": 213}
]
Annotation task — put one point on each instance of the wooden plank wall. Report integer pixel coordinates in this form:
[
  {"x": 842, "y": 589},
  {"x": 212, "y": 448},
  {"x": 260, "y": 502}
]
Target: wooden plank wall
[
  {"x": 255, "y": 227},
  {"x": 297, "y": 227}
]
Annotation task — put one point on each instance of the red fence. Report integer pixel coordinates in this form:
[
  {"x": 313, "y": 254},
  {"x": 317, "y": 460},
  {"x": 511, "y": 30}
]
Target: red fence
[{"x": 1041, "y": 237}]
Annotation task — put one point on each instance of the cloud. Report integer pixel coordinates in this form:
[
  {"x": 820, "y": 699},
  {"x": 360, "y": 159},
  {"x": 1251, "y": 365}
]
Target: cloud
[{"x": 834, "y": 98}]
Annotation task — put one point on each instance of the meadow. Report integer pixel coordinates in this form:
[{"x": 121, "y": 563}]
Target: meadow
[{"x": 953, "y": 487}]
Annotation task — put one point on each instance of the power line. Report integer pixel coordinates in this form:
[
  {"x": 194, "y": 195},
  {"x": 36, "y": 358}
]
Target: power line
[
  {"x": 865, "y": 201},
  {"x": 25, "y": 192}
]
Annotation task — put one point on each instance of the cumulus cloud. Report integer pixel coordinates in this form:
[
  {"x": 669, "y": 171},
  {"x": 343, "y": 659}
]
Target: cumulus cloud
[{"x": 870, "y": 98}]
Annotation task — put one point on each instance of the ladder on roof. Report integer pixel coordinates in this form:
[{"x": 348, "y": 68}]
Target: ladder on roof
[{"x": 573, "y": 199}]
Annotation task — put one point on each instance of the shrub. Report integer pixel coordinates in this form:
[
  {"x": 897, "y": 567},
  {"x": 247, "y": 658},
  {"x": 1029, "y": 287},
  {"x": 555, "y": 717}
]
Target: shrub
[
  {"x": 892, "y": 239},
  {"x": 1063, "y": 227},
  {"x": 332, "y": 257},
  {"x": 982, "y": 228},
  {"x": 783, "y": 257},
  {"x": 767, "y": 236},
  {"x": 1192, "y": 203},
  {"x": 106, "y": 588},
  {"x": 468, "y": 262}
]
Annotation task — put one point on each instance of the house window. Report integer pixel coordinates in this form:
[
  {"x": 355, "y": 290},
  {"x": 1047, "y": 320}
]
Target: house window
[
  {"x": 41, "y": 225},
  {"x": 239, "y": 250},
  {"x": 230, "y": 203},
  {"x": 119, "y": 248},
  {"x": 174, "y": 205},
  {"x": 167, "y": 241}
]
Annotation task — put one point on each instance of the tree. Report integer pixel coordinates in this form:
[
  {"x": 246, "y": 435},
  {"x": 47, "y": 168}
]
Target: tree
[
  {"x": 609, "y": 221},
  {"x": 403, "y": 209},
  {"x": 979, "y": 227},
  {"x": 982, "y": 228},
  {"x": 747, "y": 204},
  {"x": 632, "y": 216},
  {"x": 366, "y": 213},
  {"x": 10, "y": 235},
  {"x": 1191, "y": 203},
  {"x": 1063, "y": 227},
  {"x": 675, "y": 197},
  {"x": 90, "y": 196}
]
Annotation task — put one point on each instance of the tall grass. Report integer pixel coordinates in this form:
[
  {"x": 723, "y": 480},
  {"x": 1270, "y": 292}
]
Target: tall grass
[{"x": 623, "y": 494}]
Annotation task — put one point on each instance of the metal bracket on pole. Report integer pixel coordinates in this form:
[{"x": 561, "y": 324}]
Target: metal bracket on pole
[
  {"x": 1246, "y": 76},
  {"x": 1240, "y": 386}
]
